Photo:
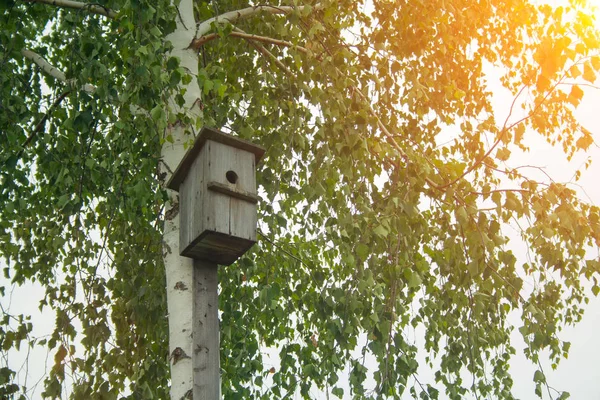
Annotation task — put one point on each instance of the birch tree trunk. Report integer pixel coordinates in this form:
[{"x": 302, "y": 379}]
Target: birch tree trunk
[{"x": 179, "y": 270}]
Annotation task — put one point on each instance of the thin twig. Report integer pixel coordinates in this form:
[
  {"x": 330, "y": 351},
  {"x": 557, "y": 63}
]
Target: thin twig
[
  {"x": 259, "y": 47},
  {"x": 40, "y": 125},
  {"x": 498, "y": 140}
]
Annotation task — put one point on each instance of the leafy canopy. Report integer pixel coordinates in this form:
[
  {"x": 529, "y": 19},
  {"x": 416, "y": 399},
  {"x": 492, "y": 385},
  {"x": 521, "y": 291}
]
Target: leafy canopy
[{"x": 371, "y": 224}]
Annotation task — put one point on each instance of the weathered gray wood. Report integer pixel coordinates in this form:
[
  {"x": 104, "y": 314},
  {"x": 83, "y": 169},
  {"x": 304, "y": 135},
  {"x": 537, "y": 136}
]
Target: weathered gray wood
[
  {"x": 216, "y": 204},
  {"x": 233, "y": 192},
  {"x": 243, "y": 216},
  {"x": 205, "y": 356},
  {"x": 191, "y": 197},
  {"x": 198, "y": 194},
  {"x": 218, "y": 200}
]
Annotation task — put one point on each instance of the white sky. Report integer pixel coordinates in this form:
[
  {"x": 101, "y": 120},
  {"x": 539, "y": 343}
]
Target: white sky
[{"x": 580, "y": 373}]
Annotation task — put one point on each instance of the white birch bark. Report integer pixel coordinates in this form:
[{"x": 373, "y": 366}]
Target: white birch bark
[
  {"x": 179, "y": 270},
  {"x": 89, "y": 7},
  {"x": 52, "y": 70}
]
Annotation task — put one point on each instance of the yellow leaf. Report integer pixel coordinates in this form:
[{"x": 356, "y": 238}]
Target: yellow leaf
[
  {"x": 503, "y": 154},
  {"x": 459, "y": 94},
  {"x": 575, "y": 95},
  {"x": 588, "y": 73}
]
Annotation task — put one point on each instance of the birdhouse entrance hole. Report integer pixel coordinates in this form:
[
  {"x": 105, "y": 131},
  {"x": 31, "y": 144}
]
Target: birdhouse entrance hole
[{"x": 231, "y": 176}]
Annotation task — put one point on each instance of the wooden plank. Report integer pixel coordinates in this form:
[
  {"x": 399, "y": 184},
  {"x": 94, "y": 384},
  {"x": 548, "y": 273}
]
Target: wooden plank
[
  {"x": 190, "y": 200},
  {"x": 197, "y": 197},
  {"x": 186, "y": 219},
  {"x": 233, "y": 192},
  {"x": 205, "y": 354},
  {"x": 243, "y": 215},
  {"x": 219, "y": 248},
  {"x": 216, "y": 205}
]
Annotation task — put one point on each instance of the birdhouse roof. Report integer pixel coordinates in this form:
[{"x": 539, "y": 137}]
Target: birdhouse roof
[{"x": 217, "y": 136}]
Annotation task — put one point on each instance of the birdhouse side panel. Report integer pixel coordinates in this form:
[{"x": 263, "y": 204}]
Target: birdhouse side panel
[
  {"x": 197, "y": 199},
  {"x": 191, "y": 194}
]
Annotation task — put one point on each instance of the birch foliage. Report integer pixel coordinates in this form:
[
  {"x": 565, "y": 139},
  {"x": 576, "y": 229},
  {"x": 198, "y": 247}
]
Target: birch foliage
[{"x": 372, "y": 225}]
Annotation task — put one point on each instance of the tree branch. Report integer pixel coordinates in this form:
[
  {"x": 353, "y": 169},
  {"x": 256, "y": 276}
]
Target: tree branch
[
  {"x": 196, "y": 43},
  {"x": 60, "y": 76},
  {"x": 53, "y": 71},
  {"x": 57, "y": 74},
  {"x": 91, "y": 8},
  {"x": 206, "y": 26},
  {"x": 44, "y": 65},
  {"x": 498, "y": 140},
  {"x": 265, "y": 39}
]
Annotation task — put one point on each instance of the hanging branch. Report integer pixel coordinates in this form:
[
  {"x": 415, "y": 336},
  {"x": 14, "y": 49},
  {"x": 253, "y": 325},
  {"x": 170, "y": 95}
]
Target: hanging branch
[
  {"x": 60, "y": 76},
  {"x": 91, "y": 8},
  {"x": 40, "y": 125},
  {"x": 44, "y": 65}
]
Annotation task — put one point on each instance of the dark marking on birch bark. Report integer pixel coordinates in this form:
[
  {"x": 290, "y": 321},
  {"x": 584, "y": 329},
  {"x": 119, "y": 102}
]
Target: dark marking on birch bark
[
  {"x": 200, "y": 348},
  {"x": 177, "y": 355},
  {"x": 180, "y": 286},
  {"x": 172, "y": 212},
  {"x": 166, "y": 249}
]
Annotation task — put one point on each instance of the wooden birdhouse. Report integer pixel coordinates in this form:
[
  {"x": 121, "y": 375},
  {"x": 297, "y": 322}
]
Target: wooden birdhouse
[{"x": 216, "y": 181}]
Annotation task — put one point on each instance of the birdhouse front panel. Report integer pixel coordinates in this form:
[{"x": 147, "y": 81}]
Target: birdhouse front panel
[{"x": 230, "y": 173}]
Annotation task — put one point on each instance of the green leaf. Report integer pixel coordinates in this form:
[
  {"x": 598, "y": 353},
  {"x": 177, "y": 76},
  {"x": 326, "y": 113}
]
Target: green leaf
[
  {"x": 413, "y": 278},
  {"x": 539, "y": 377},
  {"x": 363, "y": 251},
  {"x": 208, "y": 86},
  {"x": 585, "y": 140},
  {"x": 63, "y": 200},
  {"x": 381, "y": 231},
  {"x": 157, "y": 113},
  {"x": 461, "y": 215},
  {"x": 459, "y": 94}
]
